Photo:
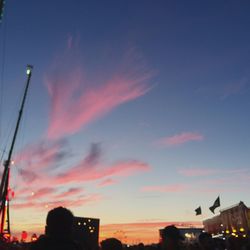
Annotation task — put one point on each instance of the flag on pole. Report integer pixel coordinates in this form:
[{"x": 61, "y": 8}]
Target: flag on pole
[
  {"x": 198, "y": 210},
  {"x": 215, "y": 205}
]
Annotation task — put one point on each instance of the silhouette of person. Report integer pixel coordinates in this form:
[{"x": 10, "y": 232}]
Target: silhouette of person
[
  {"x": 171, "y": 238},
  {"x": 58, "y": 232},
  {"x": 206, "y": 241},
  {"x": 111, "y": 244}
]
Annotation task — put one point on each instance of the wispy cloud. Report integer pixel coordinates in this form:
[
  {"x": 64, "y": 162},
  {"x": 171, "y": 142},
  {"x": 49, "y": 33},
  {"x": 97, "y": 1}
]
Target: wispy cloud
[
  {"x": 42, "y": 155},
  {"x": 74, "y": 102},
  {"x": 43, "y": 192},
  {"x": 193, "y": 172},
  {"x": 83, "y": 173},
  {"x": 27, "y": 175},
  {"x": 69, "y": 193},
  {"x": 107, "y": 182},
  {"x": 47, "y": 205},
  {"x": 235, "y": 88},
  {"x": 180, "y": 139},
  {"x": 165, "y": 188}
]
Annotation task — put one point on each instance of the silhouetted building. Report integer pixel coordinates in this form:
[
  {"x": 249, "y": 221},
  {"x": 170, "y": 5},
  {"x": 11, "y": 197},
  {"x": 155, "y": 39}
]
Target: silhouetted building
[
  {"x": 233, "y": 220},
  {"x": 86, "y": 232}
]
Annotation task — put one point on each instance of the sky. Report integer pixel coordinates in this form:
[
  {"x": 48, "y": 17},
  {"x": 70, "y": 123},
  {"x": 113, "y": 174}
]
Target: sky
[{"x": 137, "y": 112}]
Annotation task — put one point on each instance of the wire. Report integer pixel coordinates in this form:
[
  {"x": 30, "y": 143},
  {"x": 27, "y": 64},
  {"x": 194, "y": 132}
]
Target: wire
[{"x": 3, "y": 69}]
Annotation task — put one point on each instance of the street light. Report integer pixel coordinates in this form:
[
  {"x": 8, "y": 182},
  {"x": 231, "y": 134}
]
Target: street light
[{"x": 29, "y": 69}]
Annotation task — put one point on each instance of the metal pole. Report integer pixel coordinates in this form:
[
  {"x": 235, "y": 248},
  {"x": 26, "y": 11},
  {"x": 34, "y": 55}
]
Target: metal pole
[{"x": 5, "y": 179}]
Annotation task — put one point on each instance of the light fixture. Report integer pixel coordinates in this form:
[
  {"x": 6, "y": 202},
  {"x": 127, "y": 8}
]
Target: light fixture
[{"x": 29, "y": 69}]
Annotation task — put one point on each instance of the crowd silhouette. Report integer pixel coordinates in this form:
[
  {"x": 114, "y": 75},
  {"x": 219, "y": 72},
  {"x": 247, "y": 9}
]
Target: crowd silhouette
[{"x": 59, "y": 236}]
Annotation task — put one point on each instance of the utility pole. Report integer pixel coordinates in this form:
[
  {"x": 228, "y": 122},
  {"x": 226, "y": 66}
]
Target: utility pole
[{"x": 4, "y": 187}]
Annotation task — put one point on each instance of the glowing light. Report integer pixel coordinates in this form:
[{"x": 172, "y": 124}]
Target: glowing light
[
  {"x": 12, "y": 162},
  {"x": 234, "y": 230},
  {"x": 244, "y": 235},
  {"x": 32, "y": 193},
  {"x": 242, "y": 229},
  {"x": 187, "y": 235},
  {"x": 29, "y": 69},
  {"x": 79, "y": 223},
  {"x": 89, "y": 220},
  {"x": 227, "y": 231},
  {"x": 233, "y": 234},
  {"x": 84, "y": 223}
]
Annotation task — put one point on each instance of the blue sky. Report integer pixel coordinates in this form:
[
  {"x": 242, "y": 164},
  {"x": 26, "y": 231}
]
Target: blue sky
[{"x": 149, "y": 99}]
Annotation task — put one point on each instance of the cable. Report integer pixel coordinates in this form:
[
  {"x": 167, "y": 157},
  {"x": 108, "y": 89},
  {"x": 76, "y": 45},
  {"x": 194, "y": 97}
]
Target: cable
[{"x": 3, "y": 70}]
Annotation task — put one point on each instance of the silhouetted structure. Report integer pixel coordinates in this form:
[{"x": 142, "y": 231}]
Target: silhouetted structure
[
  {"x": 232, "y": 220},
  {"x": 86, "y": 232},
  {"x": 4, "y": 186},
  {"x": 58, "y": 232},
  {"x": 111, "y": 244},
  {"x": 206, "y": 241},
  {"x": 188, "y": 233},
  {"x": 170, "y": 238}
]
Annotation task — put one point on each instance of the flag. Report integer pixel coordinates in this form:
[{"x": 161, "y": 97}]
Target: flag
[
  {"x": 198, "y": 210},
  {"x": 215, "y": 205}
]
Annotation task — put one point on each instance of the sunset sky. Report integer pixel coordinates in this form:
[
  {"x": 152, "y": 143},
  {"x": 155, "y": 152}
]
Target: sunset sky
[{"x": 138, "y": 111}]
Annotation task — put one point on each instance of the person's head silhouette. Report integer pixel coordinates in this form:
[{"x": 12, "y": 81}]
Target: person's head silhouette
[
  {"x": 59, "y": 223},
  {"x": 111, "y": 244}
]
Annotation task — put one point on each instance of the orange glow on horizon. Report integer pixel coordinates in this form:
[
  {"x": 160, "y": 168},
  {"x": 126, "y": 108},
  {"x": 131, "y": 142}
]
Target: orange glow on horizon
[{"x": 128, "y": 233}]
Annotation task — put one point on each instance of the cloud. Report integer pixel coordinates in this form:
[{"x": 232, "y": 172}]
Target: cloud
[
  {"x": 76, "y": 102},
  {"x": 235, "y": 88},
  {"x": 70, "y": 192},
  {"x": 180, "y": 139},
  {"x": 42, "y": 155},
  {"x": 193, "y": 172},
  {"x": 27, "y": 175},
  {"x": 42, "y": 192},
  {"x": 47, "y": 205},
  {"x": 165, "y": 188},
  {"x": 82, "y": 172},
  {"x": 107, "y": 182},
  {"x": 94, "y": 155}
]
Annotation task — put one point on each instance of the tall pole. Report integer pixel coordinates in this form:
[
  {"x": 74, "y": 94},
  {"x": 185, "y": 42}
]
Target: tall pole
[{"x": 4, "y": 187}]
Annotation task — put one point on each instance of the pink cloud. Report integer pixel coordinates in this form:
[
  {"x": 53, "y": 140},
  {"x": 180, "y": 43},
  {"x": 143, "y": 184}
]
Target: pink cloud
[
  {"x": 47, "y": 205},
  {"x": 41, "y": 156},
  {"x": 75, "y": 102},
  {"x": 107, "y": 182},
  {"x": 165, "y": 189},
  {"x": 90, "y": 168},
  {"x": 192, "y": 172},
  {"x": 82, "y": 172},
  {"x": 180, "y": 139},
  {"x": 43, "y": 192},
  {"x": 70, "y": 192}
]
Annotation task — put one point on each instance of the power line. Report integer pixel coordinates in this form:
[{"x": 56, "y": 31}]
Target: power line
[{"x": 2, "y": 5}]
